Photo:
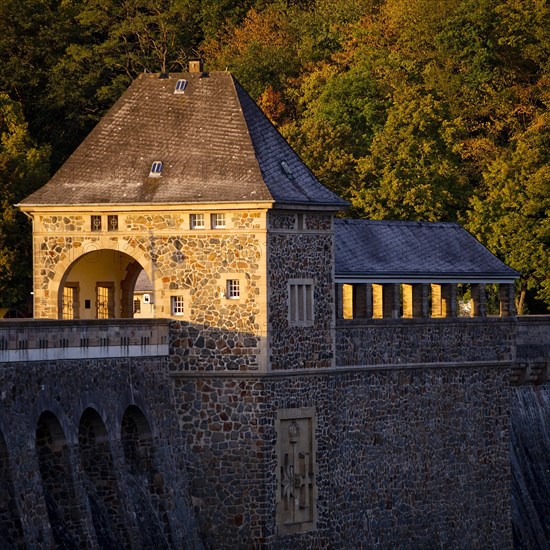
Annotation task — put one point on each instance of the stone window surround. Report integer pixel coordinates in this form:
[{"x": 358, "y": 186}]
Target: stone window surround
[
  {"x": 177, "y": 304},
  {"x": 96, "y": 222},
  {"x": 75, "y": 291},
  {"x": 233, "y": 289},
  {"x": 110, "y": 285},
  {"x": 241, "y": 283},
  {"x": 197, "y": 221},
  {"x": 301, "y": 303},
  {"x": 218, "y": 220}
]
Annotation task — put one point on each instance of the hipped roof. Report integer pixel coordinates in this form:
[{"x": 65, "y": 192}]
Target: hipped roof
[
  {"x": 215, "y": 143},
  {"x": 367, "y": 250}
]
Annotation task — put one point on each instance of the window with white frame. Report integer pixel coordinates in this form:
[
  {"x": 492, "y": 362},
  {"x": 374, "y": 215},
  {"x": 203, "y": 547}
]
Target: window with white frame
[
  {"x": 196, "y": 221},
  {"x": 233, "y": 289},
  {"x": 300, "y": 302},
  {"x": 218, "y": 220},
  {"x": 177, "y": 305}
]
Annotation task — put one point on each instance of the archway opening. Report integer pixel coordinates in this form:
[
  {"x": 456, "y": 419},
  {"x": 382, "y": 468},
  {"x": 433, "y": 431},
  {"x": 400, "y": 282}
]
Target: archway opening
[
  {"x": 64, "y": 511},
  {"x": 99, "y": 285},
  {"x": 100, "y": 481}
]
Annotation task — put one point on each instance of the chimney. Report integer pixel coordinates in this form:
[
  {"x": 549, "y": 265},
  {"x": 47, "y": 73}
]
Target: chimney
[{"x": 195, "y": 66}]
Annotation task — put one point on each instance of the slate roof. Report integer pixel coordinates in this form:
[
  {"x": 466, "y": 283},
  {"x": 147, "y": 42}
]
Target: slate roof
[
  {"x": 143, "y": 283},
  {"x": 378, "y": 250},
  {"x": 215, "y": 144}
]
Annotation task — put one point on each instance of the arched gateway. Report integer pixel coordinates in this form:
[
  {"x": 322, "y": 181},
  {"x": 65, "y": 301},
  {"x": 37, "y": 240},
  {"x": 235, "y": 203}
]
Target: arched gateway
[{"x": 99, "y": 285}]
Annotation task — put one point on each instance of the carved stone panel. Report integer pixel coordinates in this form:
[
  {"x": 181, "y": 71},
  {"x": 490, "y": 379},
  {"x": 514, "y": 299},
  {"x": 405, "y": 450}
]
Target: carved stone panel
[{"x": 296, "y": 470}]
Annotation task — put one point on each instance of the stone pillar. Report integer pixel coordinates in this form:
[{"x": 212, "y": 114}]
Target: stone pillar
[
  {"x": 420, "y": 300},
  {"x": 368, "y": 301},
  {"x": 506, "y": 296},
  {"x": 390, "y": 301},
  {"x": 347, "y": 301},
  {"x": 377, "y": 301},
  {"x": 436, "y": 300},
  {"x": 448, "y": 300},
  {"x": 360, "y": 301},
  {"x": 408, "y": 300},
  {"x": 478, "y": 302},
  {"x": 339, "y": 299}
]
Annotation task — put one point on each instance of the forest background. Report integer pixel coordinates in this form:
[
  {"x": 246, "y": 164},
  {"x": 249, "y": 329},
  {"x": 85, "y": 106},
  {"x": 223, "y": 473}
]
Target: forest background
[{"x": 410, "y": 109}]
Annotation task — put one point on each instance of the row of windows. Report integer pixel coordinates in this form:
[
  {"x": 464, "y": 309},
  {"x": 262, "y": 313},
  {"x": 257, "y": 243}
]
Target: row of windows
[{"x": 196, "y": 221}]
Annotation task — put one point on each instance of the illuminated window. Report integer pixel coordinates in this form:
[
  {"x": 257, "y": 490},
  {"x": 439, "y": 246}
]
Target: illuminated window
[
  {"x": 69, "y": 304},
  {"x": 177, "y": 305},
  {"x": 196, "y": 221},
  {"x": 105, "y": 301}
]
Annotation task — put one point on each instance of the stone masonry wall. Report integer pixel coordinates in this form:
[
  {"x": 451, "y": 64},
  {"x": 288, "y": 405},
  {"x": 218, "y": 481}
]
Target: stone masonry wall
[
  {"x": 69, "y": 428},
  {"x": 406, "y": 457},
  {"x": 192, "y": 264},
  {"x": 295, "y": 253},
  {"x": 410, "y": 341}
]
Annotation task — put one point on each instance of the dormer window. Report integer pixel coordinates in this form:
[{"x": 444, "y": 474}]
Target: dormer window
[
  {"x": 286, "y": 168},
  {"x": 181, "y": 84},
  {"x": 156, "y": 169}
]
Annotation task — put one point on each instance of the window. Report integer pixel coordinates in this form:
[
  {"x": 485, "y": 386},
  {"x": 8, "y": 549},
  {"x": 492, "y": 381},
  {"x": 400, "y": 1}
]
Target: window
[
  {"x": 105, "y": 300},
  {"x": 137, "y": 305},
  {"x": 196, "y": 221},
  {"x": 233, "y": 289},
  {"x": 218, "y": 221},
  {"x": 181, "y": 84},
  {"x": 96, "y": 223},
  {"x": 69, "y": 303},
  {"x": 112, "y": 223},
  {"x": 156, "y": 169},
  {"x": 300, "y": 302},
  {"x": 177, "y": 305}
]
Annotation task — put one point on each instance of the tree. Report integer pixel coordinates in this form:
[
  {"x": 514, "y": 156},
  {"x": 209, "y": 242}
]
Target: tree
[
  {"x": 511, "y": 213},
  {"x": 23, "y": 168}
]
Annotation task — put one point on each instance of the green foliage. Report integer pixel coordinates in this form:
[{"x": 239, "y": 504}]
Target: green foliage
[{"x": 23, "y": 168}]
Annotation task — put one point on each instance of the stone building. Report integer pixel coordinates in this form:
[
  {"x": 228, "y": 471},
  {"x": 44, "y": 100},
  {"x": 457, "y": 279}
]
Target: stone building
[{"x": 310, "y": 371}]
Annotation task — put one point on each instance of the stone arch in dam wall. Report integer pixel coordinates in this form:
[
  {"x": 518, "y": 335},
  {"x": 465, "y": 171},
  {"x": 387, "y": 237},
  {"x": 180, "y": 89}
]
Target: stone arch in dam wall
[
  {"x": 146, "y": 479},
  {"x": 65, "y": 510},
  {"x": 100, "y": 481}
]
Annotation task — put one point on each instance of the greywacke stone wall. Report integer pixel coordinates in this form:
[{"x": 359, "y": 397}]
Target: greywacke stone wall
[
  {"x": 408, "y": 455},
  {"x": 92, "y": 456},
  {"x": 408, "y": 458},
  {"x": 300, "y": 253}
]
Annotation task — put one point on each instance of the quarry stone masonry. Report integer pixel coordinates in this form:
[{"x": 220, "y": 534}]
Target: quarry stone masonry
[{"x": 141, "y": 450}]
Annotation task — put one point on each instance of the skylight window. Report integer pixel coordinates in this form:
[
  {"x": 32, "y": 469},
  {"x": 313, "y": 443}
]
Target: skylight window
[
  {"x": 181, "y": 84},
  {"x": 156, "y": 169}
]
